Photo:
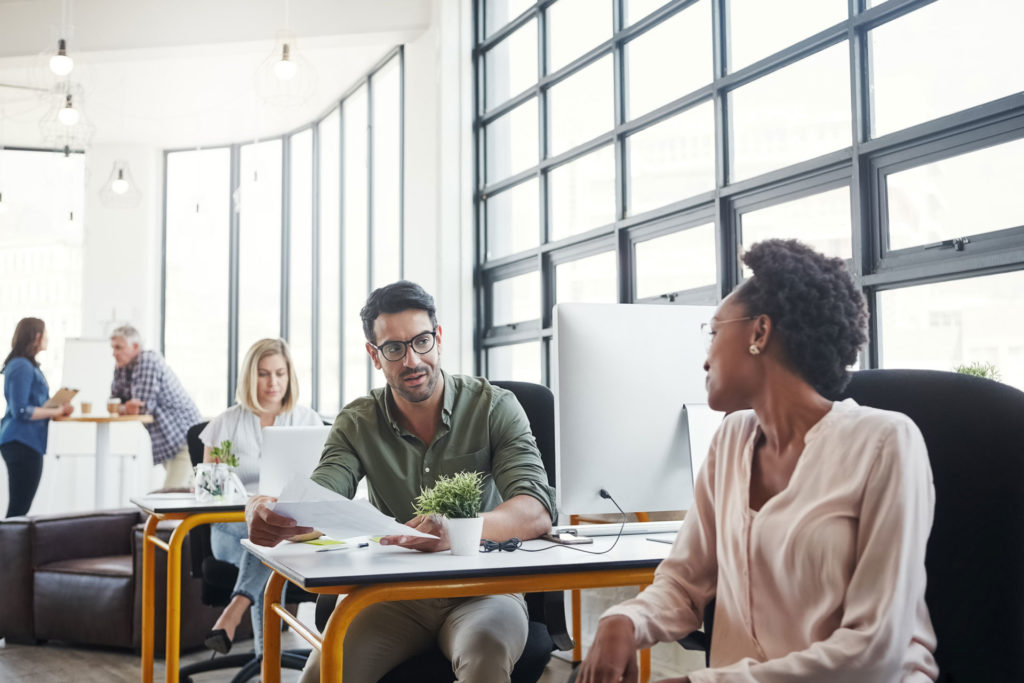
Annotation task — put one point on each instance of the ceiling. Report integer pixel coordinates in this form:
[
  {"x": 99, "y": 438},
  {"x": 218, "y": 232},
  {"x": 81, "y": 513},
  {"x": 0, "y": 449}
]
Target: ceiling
[{"x": 183, "y": 73}]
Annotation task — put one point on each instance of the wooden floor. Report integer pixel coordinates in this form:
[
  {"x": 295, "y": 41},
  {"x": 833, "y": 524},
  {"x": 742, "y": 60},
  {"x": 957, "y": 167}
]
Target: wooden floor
[{"x": 57, "y": 663}]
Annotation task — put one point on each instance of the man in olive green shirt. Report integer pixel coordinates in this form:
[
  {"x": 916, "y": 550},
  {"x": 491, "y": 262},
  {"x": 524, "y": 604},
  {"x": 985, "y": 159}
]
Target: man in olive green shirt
[{"x": 423, "y": 424}]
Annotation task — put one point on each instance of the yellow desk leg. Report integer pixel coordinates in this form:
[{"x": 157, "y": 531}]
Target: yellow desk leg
[
  {"x": 148, "y": 598},
  {"x": 577, "y": 627},
  {"x": 272, "y": 629},
  {"x": 173, "y": 637}
]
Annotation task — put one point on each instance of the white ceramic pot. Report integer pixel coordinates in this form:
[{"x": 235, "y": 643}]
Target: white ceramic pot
[{"x": 464, "y": 535}]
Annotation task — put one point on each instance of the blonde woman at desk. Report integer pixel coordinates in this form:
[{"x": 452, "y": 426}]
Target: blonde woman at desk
[
  {"x": 810, "y": 517},
  {"x": 23, "y": 428},
  {"x": 267, "y": 394}
]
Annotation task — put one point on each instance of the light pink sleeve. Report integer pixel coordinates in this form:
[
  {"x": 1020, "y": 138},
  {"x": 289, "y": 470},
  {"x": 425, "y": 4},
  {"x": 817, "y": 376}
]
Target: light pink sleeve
[
  {"x": 886, "y": 589},
  {"x": 673, "y": 605}
]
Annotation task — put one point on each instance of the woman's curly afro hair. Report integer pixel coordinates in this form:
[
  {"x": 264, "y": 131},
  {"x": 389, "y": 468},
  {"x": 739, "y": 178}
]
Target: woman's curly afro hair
[{"x": 815, "y": 308}]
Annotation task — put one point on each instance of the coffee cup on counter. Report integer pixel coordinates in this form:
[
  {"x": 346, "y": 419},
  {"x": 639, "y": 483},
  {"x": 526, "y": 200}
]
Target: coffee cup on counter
[
  {"x": 113, "y": 406},
  {"x": 85, "y": 407}
]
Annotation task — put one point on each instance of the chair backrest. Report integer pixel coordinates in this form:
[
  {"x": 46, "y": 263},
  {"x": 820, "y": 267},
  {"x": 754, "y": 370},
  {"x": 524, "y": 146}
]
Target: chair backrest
[
  {"x": 195, "y": 446},
  {"x": 974, "y": 431},
  {"x": 539, "y": 405},
  {"x": 199, "y": 538}
]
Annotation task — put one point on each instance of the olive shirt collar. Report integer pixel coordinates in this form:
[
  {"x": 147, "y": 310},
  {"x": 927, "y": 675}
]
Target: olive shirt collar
[{"x": 386, "y": 400}]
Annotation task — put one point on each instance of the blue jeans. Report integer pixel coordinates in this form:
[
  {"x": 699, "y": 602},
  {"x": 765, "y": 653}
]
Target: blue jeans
[{"x": 252, "y": 574}]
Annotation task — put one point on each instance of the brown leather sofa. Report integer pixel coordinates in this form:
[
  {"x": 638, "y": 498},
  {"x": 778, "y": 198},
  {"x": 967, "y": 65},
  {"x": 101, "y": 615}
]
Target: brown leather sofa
[{"x": 77, "y": 578}]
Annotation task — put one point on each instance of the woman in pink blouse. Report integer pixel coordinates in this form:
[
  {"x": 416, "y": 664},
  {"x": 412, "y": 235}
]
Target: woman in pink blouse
[{"x": 810, "y": 517}]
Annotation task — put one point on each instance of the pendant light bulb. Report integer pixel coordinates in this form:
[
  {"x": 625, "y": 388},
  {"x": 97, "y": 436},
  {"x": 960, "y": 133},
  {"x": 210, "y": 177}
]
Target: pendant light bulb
[
  {"x": 285, "y": 68},
  {"x": 60, "y": 63},
  {"x": 120, "y": 185},
  {"x": 68, "y": 115}
]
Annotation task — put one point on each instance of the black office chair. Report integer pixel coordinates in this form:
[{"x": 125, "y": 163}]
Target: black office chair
[
  {"x": 974, "y": 431},
  {"x": 218, "y": 582},
  {"x": 547, "y": 628}
]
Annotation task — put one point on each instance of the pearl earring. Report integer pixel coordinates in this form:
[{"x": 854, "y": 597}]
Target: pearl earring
[{"x": 754, "y": 350}]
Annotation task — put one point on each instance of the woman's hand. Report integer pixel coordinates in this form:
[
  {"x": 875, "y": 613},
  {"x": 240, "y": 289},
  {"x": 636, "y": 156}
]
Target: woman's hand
[
  {"x": 66, "y": 409},
  {"x": 43, "y": 413},
  {"x": 612, "y": 657}
]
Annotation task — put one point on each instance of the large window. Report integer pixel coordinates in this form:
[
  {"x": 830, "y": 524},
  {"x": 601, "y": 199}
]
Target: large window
[
  {"x": 41, "y": 201},
  {"x": 627, "y": 150},
  {"x": 285, "y": 237},
  {"x": 197, "y": 282}
]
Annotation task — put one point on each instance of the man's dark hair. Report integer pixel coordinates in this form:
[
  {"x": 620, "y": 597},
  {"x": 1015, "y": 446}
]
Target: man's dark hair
[
  {"x": 815, "y": 307},
  {"x": 395, "y": 298}
]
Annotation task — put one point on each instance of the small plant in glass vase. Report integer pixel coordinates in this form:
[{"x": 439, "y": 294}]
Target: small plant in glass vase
[
  {"x": 215, "y": 479},
  {"x": 455, "y": 500}
]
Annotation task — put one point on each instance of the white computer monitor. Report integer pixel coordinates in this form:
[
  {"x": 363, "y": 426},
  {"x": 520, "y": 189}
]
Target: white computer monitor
[
  {"x": 289, "y": 452},
  {"x": 631, "y": 413}
]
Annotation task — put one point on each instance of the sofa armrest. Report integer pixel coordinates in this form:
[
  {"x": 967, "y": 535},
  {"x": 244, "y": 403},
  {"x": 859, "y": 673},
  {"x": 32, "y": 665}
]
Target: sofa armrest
[{"x": 16, "y": 622}]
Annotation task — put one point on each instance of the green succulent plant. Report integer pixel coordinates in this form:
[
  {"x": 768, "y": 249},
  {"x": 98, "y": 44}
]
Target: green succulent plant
[
  {"x": 223, "y": 454},
  {"x": 454, "y": 497},
  {"x": 978, "y": 369}
]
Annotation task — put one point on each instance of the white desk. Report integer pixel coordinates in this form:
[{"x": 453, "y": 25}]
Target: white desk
[
  {"x": 101, "y": 485},
  {"x": 381, "y": 574}
]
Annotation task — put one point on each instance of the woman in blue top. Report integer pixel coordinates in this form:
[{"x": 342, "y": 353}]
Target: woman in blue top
[{"x": 23, "y": 427}]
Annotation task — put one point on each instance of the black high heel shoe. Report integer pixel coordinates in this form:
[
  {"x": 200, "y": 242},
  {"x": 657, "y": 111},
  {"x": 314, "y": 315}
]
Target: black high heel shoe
[{"x": 218, "y": 641}]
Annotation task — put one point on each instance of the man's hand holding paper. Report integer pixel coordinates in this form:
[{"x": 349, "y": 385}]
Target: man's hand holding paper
[
  {"x": 267, "y": 527},
  {"x": 304, "y": 505}
]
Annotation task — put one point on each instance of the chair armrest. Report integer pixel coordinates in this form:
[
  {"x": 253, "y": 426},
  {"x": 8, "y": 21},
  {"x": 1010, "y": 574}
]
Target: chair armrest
[
  {"x": 701, "y": 640},
  {"x": 324, "y": 607},
  {"x": 696, "y": 641}
]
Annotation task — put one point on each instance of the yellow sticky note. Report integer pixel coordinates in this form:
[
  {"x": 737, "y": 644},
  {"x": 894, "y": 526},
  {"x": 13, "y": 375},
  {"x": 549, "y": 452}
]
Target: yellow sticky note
[{"x": 323, "y": 540}]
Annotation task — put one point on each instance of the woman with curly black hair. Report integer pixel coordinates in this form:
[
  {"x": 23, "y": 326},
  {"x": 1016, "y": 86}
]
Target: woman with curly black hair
[{"x": 810, "y": 517}]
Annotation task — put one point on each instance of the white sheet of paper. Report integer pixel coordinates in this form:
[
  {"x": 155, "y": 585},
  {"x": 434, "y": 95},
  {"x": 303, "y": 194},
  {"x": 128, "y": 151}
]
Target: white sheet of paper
[{"x": 312, "y": 505}]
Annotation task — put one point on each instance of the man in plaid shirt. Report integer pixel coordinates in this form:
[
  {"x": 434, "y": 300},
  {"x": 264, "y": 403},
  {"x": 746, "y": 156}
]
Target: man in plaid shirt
[{"x": 146, "y": 384}]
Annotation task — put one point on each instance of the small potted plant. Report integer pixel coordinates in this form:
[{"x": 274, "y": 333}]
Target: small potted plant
[
  {"x": 213, "y": 479},
  {"x": 456, "y": 501}
]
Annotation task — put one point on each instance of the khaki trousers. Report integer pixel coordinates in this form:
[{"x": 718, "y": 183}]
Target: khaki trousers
[
  {"x": 482, "y": 636},
  {"x": 179, "y": 470}
]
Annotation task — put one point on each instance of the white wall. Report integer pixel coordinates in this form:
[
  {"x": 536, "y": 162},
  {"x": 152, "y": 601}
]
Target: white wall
[
  {"x": 121, "y": 260},
  {"x": 439, "y": 173}
]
